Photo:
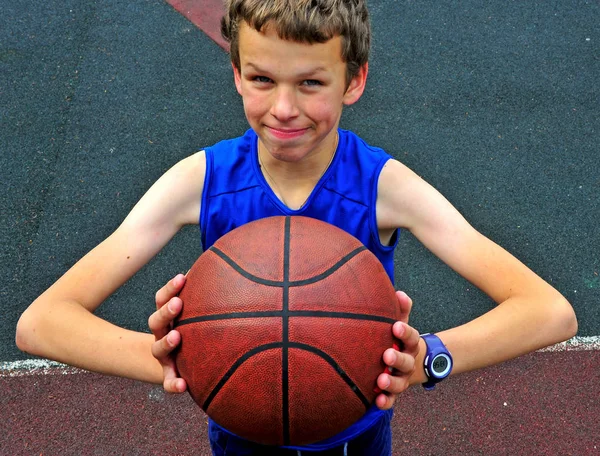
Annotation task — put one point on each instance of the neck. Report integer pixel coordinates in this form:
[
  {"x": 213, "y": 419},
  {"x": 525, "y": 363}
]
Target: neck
[
  {"x": 293, "y": 182},
  {"x": 310, "y": 168}
]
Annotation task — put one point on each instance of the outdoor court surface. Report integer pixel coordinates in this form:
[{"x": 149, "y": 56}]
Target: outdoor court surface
[{"x": 494, "y": 103}]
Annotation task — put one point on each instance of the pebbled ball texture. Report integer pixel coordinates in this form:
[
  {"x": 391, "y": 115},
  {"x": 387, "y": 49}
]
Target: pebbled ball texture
[{"x": 284, "y": 324}]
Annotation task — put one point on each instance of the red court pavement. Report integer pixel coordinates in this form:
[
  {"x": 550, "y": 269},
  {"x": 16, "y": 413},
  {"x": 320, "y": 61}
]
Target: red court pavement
[
  {"x": 540, "y": 404},
  {"x": 205, "y": 14}
]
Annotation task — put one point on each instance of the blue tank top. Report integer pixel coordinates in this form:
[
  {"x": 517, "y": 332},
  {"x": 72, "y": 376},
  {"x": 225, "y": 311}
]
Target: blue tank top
[{"x": 236, "y": 192}]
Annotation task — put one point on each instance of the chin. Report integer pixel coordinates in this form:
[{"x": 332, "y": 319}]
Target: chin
[{"x": 286, "y": 155}]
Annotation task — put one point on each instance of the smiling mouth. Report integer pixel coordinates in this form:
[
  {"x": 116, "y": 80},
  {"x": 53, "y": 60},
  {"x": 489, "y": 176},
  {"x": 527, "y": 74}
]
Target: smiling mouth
[{"x": 287, "y": 133}]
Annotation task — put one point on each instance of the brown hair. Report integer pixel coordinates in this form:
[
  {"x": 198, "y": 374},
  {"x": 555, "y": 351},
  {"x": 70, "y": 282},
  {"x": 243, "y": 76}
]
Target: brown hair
[{"x": 305, "y": 21}]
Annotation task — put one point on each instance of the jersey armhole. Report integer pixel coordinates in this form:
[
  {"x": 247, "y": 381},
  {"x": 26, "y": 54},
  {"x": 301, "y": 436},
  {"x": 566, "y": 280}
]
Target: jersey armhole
[
  {"x": 373, "y": 211},
  {"x": 205, "y": 195}
]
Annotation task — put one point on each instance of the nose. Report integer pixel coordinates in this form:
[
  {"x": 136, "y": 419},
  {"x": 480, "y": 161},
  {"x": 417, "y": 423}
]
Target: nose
[{"x": 284, "y": 106}]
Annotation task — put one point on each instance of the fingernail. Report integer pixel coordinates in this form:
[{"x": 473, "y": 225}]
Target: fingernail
[
  {"x": 387, "y": 382},
  {"x": 170, "y": 307},
  {"x": 170, "y": 338}
]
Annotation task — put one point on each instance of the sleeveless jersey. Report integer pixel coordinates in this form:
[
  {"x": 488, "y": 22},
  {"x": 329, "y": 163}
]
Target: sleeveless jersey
[{"x": 236, "y": 192}]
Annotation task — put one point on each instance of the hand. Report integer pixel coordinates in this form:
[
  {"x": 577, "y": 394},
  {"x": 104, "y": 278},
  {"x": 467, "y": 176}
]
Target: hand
[
  {"x": 168, "y": 306},
  {"x": 403, "y": 361}
]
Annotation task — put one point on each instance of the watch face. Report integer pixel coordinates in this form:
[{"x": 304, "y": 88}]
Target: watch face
[{"x": 441, "y": 366}]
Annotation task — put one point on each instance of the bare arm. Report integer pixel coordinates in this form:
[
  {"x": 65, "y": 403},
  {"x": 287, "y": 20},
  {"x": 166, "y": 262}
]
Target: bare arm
[
  {"x": 60, "y": 324},
  {"x": 530, "y": 314}
]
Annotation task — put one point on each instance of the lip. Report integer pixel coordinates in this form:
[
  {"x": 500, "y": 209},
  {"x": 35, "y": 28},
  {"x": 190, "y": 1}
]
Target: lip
[{"x": 286, "y": 133}]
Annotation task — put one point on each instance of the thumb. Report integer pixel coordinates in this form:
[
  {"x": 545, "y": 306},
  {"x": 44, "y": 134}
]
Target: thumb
[{"x": 405, "y": 304}]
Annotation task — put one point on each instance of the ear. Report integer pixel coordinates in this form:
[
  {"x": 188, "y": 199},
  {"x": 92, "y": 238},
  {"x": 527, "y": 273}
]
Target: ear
[
  {"x": 357, "y": 85},
  {"x": 237, "y": 77}
]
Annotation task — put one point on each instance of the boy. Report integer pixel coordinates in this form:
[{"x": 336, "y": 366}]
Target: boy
[{"x": 296, "y": 63}]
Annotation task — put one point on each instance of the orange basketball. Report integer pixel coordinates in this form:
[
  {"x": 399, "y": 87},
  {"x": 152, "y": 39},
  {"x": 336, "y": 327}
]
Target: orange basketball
[{"x": 284, "y": 324}]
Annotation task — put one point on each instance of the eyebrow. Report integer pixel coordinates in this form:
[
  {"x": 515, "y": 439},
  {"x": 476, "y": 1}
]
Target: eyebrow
[{"x": 303, "y": 74}]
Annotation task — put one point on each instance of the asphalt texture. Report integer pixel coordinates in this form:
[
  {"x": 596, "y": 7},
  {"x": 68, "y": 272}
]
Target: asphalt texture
[{"x": 494, "y": 103}]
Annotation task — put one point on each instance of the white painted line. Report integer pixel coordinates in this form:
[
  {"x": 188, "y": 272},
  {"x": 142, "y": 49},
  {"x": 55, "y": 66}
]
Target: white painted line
[
  {"x": 32, "y": 367},
  {"x": 575, "y": 344}
]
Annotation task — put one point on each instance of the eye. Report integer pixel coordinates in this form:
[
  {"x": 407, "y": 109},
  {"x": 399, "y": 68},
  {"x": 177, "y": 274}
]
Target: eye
[
  {"x": 312, "y": 83},
  {"x": 262, "y": 79}
]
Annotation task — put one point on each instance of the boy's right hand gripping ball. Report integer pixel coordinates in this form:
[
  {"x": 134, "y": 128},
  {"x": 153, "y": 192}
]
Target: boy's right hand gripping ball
[{"x": 283, "y": 329}]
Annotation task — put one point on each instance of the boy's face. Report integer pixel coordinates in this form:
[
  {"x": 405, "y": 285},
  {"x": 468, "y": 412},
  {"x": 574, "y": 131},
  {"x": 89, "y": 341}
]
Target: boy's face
[{"x": 293, "y": 93}]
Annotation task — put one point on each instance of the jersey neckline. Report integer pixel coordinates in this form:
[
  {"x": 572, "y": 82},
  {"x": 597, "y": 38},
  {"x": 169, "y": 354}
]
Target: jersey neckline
[{"x": 271, "y": 194}]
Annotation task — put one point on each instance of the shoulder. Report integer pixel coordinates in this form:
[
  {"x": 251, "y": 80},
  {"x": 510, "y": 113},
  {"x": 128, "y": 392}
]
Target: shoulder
[
  {"x": 405, "y": 200},
  {"x": 174, "y": 199},
  {"x": 190, "y": 169},
  {"x": 403, "y": 197}
]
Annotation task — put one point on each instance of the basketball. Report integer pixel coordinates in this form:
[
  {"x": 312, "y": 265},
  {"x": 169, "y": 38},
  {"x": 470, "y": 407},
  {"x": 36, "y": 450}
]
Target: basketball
[{"x": 283, "y": 329}]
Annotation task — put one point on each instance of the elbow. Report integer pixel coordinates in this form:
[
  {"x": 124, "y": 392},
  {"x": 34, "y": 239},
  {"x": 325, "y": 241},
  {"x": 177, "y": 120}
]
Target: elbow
[
  {"x": 573, "y": 324},
  {"x": 566, "y": 325},
  {"x": 25, "y": 333}
]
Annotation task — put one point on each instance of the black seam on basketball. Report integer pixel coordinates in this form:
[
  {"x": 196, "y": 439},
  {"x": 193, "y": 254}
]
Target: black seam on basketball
[
  {"x": 291, "y": 313},
  {"x": 228, "y": 316},
  {"x": 331, "y": 270},
  {"x": 295, "y": 283},
  {"x": 249, "y": 354},
  {"x": 234, "y": 367},
  {"x": 343, "y": 315},
  {"x": 336, "y": 367},
  {"x": 243, "y": 272},
  {"x": 285, "y": 402}
]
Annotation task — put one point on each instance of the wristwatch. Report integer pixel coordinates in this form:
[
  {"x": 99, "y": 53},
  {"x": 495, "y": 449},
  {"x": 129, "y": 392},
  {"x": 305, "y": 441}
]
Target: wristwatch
[{"x": 438, "y": 361}]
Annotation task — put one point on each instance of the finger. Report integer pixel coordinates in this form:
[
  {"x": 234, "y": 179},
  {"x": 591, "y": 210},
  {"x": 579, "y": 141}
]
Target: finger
[
  {"x": 409, "y": 337},
  {"x": 405, "y": 303},
  {"x": 160, "y": 321},
  {"x": 392, "y": 384},
  {"x": 170, "y": 290},
  {"x": 401, "y": 363},
  {"x": 172, "y": 383},
  {"x": 391, "y": 387},
  {"x": 385, "y": 401},
  {"x": 162, "y": 348}
]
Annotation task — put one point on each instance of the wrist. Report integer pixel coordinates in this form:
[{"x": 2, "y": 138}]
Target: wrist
[
  {"x": 438, "y": 361},
  {"x": 139, "y": 363}
]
